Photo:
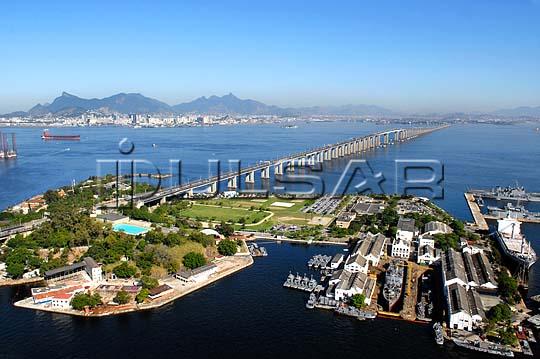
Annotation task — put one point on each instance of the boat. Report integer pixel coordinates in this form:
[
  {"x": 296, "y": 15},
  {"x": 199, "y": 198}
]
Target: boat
[
  {"x": 518, "y": 211},
  {"x": 48, "y": 136},
  {"x": 485, "y": 347},
  {"x": 439, "y": 338},
  {"x": 311, "y": 301},
  {"x": 393, "y": 283},
  {"x": 513, "y": 243},
  {"x": 512, "y": 193}
]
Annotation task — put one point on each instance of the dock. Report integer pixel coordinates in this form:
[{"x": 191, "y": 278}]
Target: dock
[
  {"x": 520, "y": 219},
  {"x": 479, "y": 219}
]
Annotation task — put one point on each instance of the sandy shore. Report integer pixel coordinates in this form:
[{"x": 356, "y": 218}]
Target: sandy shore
[{"x": 225, "y": 266}]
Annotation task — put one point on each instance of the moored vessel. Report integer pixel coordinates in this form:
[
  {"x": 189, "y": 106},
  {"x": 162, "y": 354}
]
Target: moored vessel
[
  {"x": 48, "y": 136},
  {"x": 393, "y": 283},
  {"x": 513, "y": 243}
]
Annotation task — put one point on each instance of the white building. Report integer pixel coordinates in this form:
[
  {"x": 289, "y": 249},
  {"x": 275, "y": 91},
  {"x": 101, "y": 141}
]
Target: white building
[
  {"x": 436, "y": 227},
  {"x": 371, "y": 247},
  {"x": 198, "y": 274},
  {"x": 356, "y": 263},
  {"x": 350, "y": 284},
  {"x": 401, "y": 245},
  {"x": 427, "y": 255},
  {"x": 465, "y": 309},
  {"x": 337, "y": 259}
]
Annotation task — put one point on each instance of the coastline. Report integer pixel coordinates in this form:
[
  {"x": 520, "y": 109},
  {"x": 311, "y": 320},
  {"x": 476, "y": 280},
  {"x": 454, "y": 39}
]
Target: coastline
[
  {"x": 22, "y": 281},
  {"x": 226, "y": 267}
]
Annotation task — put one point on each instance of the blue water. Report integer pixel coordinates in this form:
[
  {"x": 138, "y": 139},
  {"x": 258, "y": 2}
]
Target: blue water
[
  {"x": 249, "y": 314},
  {"x": 129, "y": 229}
]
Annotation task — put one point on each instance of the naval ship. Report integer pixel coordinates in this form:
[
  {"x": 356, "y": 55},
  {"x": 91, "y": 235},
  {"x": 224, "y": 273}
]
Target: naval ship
[
  {"x": 513, "y": 243},
  {"x": 393, "y": 283},
  {"x": 512, "y": 193}
]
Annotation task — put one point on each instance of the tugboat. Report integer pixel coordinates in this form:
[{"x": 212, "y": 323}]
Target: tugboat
[
  {"x": 513, "y": 243},
  {"x": 393, "y": 284},
  {"x": 439, "y": 338}
]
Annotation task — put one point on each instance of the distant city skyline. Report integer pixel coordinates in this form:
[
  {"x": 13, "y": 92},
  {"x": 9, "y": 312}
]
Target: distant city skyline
[{"x": 424, "y": 56}]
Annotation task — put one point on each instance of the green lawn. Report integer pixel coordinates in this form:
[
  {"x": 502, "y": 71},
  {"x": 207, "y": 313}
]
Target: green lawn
[{"x": 210, "y": 213}]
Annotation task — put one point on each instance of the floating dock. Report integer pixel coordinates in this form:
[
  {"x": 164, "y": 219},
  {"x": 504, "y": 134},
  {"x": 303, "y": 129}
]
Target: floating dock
[{"x": 479, "y": 219}]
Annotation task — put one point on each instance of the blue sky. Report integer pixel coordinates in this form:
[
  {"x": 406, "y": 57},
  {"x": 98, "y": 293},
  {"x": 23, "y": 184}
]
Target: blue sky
[{"x": 428, "y": 55}]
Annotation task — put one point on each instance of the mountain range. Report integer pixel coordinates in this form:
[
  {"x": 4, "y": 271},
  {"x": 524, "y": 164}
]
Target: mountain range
[{"x": 71, "y": 105}]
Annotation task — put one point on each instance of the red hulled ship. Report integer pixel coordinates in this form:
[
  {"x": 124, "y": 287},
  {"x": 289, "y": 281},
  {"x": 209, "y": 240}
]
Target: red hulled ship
[{"x": 47, "y": 136}]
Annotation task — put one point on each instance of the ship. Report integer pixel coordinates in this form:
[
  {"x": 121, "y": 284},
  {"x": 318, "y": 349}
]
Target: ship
[
  {"x": 393, "y": 283},
  {"x": 8, "y": 150},
  {"x": 513, "y": 243},
  {"x": 518, "y": 211},
  {"x": 512, "y": 193},
  {"x": 47, "y": 136}
]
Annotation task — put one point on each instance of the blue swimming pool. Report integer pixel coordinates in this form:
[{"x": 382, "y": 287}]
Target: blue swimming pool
[{"x": 130, "y": 229}]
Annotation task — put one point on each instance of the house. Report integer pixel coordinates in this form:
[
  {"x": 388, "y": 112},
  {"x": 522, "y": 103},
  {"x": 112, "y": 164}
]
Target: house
[
  {"x": 401, "y": 248},
  {"x": 468, "y": 270},
  {"x": 337, "y": 259},
  {"x": 357, "y": 263},
  {"x": 57, "y": 296},
  {"x": 87, "y": 266},
  {"x": 368, "y": 208},
  {"x": 371, "y": 246},
  {"x": 436, "y": 227},
  {"x": 198, "y": 274},
  {"x": 344, "y": 220},
  {"x": 159, "y": 291},
  {"x": 465, "y": 310},
  {"x": 406, "y": 229},
  {"x": 112, "y": 218},
  {"x": 401, "y": 245},
  {"x": 350, "y": 284},
  {"x": 426, "y": 240},
  {"x": 427, "y": 255}
]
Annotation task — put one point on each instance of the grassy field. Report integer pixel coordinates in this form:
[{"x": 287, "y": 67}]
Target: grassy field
[
  {"x": 209, "y": 212},
  {"x": 287, "y": 215}
]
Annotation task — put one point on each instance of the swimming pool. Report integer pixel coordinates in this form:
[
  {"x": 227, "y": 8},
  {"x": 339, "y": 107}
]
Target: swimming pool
[{"x": 130, "y": 229}]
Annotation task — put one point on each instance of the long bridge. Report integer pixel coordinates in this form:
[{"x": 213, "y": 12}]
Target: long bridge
[{"x": 310, "y": 158}]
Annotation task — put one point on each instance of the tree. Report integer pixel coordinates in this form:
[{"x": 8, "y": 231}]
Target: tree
[
  {"x": 83, "y": 300},
  {"x": 124, "y": 270},
  {"x": 142, "y": 295},
  {"x": 507, "y": 285},
  {"x": 193, "y": 260},
  {"x": 500, "y": 313},
  {"x": 358, "y": 300},
  {"x": 226, "y": 229},
  {"x": 51, "y": 196},
  {"x": 122, "y": 297},
  {"x": 227, "y": 247},
  {"x": 148, "y": 282}
]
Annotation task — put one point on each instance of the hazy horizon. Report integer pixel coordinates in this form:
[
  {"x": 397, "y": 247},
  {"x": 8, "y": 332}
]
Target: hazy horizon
[{"x": 420, "y": 57}]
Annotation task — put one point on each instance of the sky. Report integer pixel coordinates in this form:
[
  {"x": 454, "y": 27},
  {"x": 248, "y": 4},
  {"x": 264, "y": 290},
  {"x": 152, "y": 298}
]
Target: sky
[{"x": 411, "y": 56}]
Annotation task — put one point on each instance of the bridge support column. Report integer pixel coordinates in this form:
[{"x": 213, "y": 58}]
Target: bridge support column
[
  {"x": 232, "y": 183},
  {"x": 290, "y": 166},
  {"x": 163, "y": 200},
  {"x": 278, "y": 169},
  {"x": 250, "y": 177},
  {"x": 265, "y": 173}
]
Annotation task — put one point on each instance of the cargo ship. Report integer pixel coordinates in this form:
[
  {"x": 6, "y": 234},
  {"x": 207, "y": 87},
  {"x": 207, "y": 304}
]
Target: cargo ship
[
  {"x": 47, "y": 136},
  {"x": 513, "y": 243},
  {"x": 393, "y": 283}
]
